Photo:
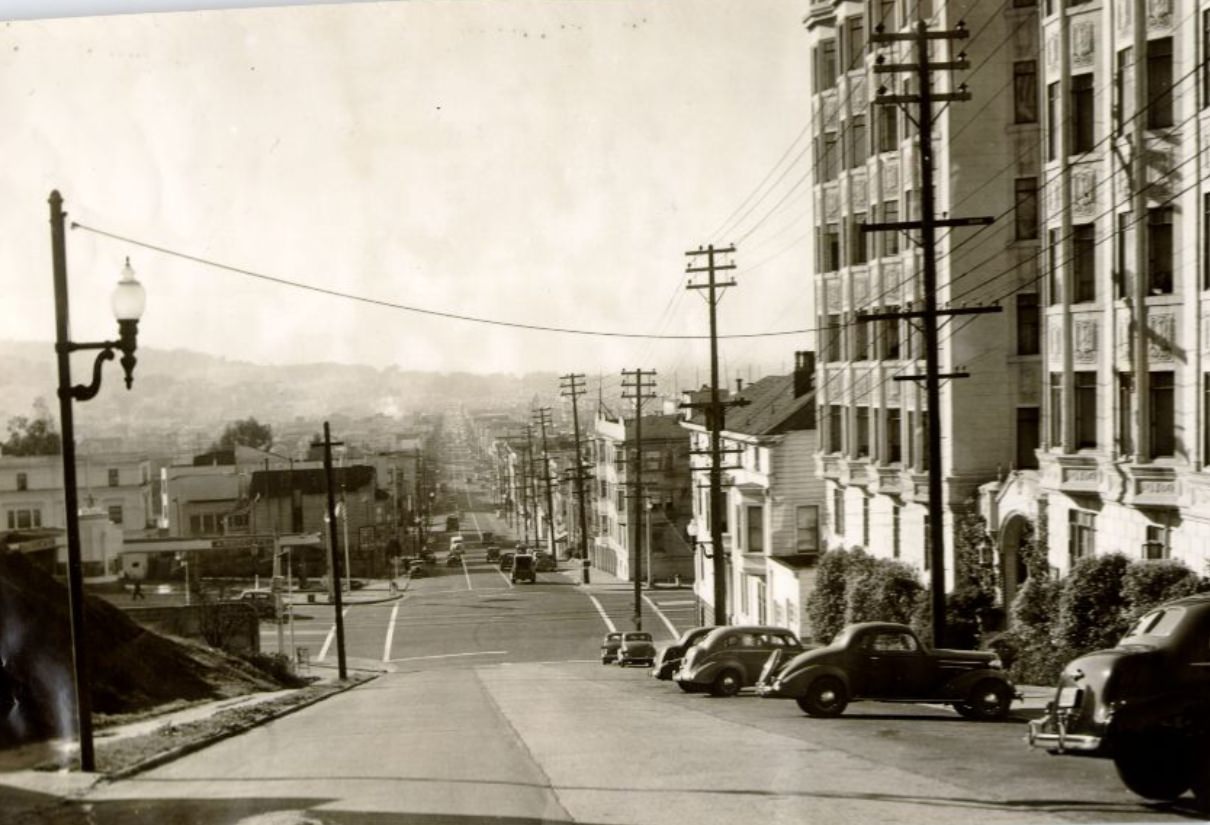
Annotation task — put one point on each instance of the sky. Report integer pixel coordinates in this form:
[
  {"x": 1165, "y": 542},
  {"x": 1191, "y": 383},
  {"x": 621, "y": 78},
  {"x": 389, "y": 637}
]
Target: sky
[{"x": 531, "y": 162}]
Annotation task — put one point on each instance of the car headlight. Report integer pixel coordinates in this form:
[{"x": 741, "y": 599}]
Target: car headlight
[{"x": 996, "y": 663}]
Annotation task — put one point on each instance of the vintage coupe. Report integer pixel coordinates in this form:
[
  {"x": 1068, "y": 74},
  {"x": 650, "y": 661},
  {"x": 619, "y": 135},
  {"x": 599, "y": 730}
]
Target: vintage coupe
[
  {"x": 1145, "y": 704},
  {"x": 886, "y": 662}
]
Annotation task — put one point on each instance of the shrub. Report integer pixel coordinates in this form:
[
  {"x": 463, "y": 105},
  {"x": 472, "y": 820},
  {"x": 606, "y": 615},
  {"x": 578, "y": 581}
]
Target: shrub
[
  {"x": 1150, "y": 583},
  {"x": 276, "y": 665},
  {"x": 882, "y": 590},
  {"x": 1028, "y": 649},
  {"x": 826, "y": 607},
  {"x": 1092, "y": 607}
]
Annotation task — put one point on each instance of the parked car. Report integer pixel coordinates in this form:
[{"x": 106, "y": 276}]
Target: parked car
[
  {"x": 453, "y": 560},
  {"x": 418, "y": 571},
  {"x": 887, "y": 662},
  {"x": 544, "y": 563},
  {"x": 523, "y": 569},
  {"x": 668, "y": 657},
  {"x": 729, "y": 659},
  {"x": 262, "y": 602},
  {"x": 1145, "y": 704},
  {"x": 506, "y": 562},
  {"x": 609, "y": 647},
  {"x": 493, "y": 553},
  {"x": 637, "y": 647}
]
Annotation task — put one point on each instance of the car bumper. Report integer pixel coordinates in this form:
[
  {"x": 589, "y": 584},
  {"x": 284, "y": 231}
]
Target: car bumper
[
  {"x": 771, "y": 690},
  {"x": 1050, "y": 732}
]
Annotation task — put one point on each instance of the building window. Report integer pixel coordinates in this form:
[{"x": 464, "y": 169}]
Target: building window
[
  {"x": 1086, "y": 409},
  {"x": 1081, "y": 535},
  {"x": 863, "y": 432},
  {"x": 1056, "y": 409},
  {"x": 1052, "y": 259},
  {"x": 1159, "y": 250},
  {"x": 835, "y": 428},
  {"x": 890, "y": 336},
  {"x": 1026, "y": 209},
  {"x": 1206, "y": 239},
  {"x": 894, "y": 531},
  {"x": 115, "y": 513},
  {"x": 1206, "y": 418},
  {"x": 1121, "y": 80},
  {"x": 1156, "y": 545},
  {"x": 1029, "y": 330},
  {"x": 861, "y": 340},
  {"x": 894, "y": 438},
  {"x": 806, "y": 519},
  {"x": 831, "y": 156},
  {"x": 24, "y": 519},
  {"x": 1161, "y": 390},
  {"x": 1205, "y": 59},
  {"x": 756, "y": 530},
  {"x": 887, "y": 120},
  {"x": 831, "y": 248},
  {"x": 838, "y": 511},
  {"x": 1084, "y": 263},
  {"x": 825, "y": 68},
  {"x": 858, "y": 241},
  {"x": 1028, "y": 436},
  {"x": 854, "y": 40},
  {"x": 890, "y": 237},
  {"x": 1124, "y": 243},
  {"x": 1125, "y": 408},
  {"x": 114, "y": 479},
  {"x": 858, "y": 142},
  {"x": 865, "y": 521},
  {"x": 1159, "y": 83},
  {"x": 1083, "y": 115},
  {"x": 1053, "y": 126},
  {"x": 834, "y": 340},
  {"x": 886, "y": 14},
  {"x": 1025, "y": 91},
  {"x": 22, "y": 482}
]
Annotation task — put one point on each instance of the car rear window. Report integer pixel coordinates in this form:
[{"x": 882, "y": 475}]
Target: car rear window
[{"x": 1158, "y": 622}]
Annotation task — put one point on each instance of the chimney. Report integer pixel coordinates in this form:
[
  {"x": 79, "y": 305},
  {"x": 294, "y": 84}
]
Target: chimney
[
  {"x": 804, "y": 373},
  {"x": 739, "y": 385}
]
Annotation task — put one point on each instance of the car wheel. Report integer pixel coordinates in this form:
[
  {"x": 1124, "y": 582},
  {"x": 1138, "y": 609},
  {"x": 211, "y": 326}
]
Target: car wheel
[
  {"x": 825, "y": 696},
  {"x": 1201, "y": 781},
  {"x": 988, "y": 701},
  {"x": 688, "y": 688},
  {"x": 1154, "y": 766},
  {"x": 727, "y": 683}
]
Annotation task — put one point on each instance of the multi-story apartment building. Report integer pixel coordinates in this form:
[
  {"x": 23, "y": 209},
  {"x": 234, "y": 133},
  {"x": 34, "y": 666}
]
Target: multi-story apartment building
[
  {"x": 118, "y": 484},
  {"x": 772, "y": 500},
  {"x": 1124, "y": 458},
  {"x": 872, "y": 428},
  {"x": 664, "y": 510}
]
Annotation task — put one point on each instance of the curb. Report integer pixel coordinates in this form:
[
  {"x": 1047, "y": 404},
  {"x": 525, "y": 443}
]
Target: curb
[{"x": 192, "y": 747}]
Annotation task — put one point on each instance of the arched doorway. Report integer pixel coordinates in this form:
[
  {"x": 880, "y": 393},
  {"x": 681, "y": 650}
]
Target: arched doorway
[{"x": 1014, "y": 536}]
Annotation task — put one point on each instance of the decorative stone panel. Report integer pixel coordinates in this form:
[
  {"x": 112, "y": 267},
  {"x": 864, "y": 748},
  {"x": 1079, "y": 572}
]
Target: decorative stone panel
[
  {"x": 1029, "y": 384},
  {"x": 1083, "y": 42},
  {"x": 859, "y": 191},
  {"x": 831, "y": 289},
  {"x": 890, "y": 179},
  {"x": 891, "y": 390},
  {"x": 862, "y": 392},
  {"x": 1052, "y": 52},
  {"x": 1054, "y": 198},
  {"x": 861, "y": 289},
  {"x": 1161, "y": 327},
  {"x": 1205, "y": 331},
  {"x": 858, "y": 87},
  {"x": 831, "y": 119},
  {"x": 892, "y": 278},
  {"x": 1123, "y": 351},
  {"x": 1161, "y": 176},
  {"x": 1159, "y": 14},
  {"x": 831, "y": 203},
  {"x": 1054, "y": 339},
  {"x": 1084, "y": 341},
  {"x": 1125, "y": 15},
  {"x": 1084, "y": 191}
]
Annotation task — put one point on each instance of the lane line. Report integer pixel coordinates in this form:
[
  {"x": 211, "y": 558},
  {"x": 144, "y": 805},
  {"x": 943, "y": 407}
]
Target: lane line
[
  {"x": 671, "y": 627},
  {"x": 506, "y": 579},
  {"x": 604, "y": 615},
  {"x": 466, "y": 573},
  {"x": 323, "y": 651},
  {"x": 453, "y": 655},
  {"x": 680, "y": 603},
  {"x": 386, "y": 647}
]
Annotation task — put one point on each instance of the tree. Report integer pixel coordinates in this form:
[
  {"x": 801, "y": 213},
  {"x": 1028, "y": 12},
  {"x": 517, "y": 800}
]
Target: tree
[
  {"x": 33, "y": 436},
  {"x": 247, "y": 432}
]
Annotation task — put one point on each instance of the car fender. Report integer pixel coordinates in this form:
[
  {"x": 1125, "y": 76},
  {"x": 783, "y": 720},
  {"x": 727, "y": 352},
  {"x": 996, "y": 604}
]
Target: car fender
[
  {"x": 708, "y": 671},
  {"x": 796, "y": 683},
  {"x": 960, "y": 685}
]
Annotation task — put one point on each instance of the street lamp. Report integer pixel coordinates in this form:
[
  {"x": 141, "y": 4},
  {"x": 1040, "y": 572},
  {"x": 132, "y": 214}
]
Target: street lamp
[{"x": 128, "y": 302}]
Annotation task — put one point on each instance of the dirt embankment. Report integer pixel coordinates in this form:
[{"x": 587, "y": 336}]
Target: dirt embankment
[{"x": 133, "y": 669}]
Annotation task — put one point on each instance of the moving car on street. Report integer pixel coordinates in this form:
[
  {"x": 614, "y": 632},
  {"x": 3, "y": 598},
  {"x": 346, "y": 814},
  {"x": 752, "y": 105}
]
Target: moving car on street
[
  {"x": 636, "y": 648},
  {"x": 729, "y": 659},
  {"x": 609, "y": 647},
  {"x": 262, "y": 602},
  {"x": 523, "y": 569},
  {"x": 1145, "y": 704},
  {"x": 885, "y": 661},
  {"x": 544, "y": 562},
  {"x": 493, "y": 553},
  {"x": 506, "y": 562},
  {"x": 668, "y": 658}
]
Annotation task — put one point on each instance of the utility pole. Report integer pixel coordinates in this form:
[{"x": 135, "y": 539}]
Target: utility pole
[
  {"x": 531, "y": 486},
  {"x": 928, "y": 225},
  {"x": 334, "y": 550},
  {"x": 572, "y": 386},
  {"x": 543, "y": 414},
  {"x": 641, "y": 386},
  {"x": 716, "y": 410}
]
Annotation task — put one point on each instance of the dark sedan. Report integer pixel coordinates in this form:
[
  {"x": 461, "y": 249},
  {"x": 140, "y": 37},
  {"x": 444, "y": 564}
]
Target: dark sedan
[{"x": 668, "y": 658}]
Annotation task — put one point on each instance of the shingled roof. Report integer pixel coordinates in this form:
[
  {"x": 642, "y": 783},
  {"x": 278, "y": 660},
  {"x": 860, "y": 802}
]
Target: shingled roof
[
  {"x": 772, "y": 408},
  {"x": 310, "y": 481}
]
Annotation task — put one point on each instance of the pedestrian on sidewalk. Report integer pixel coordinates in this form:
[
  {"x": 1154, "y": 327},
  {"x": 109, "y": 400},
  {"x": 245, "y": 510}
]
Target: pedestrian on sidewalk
[{"x": 137, "y": 593}]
